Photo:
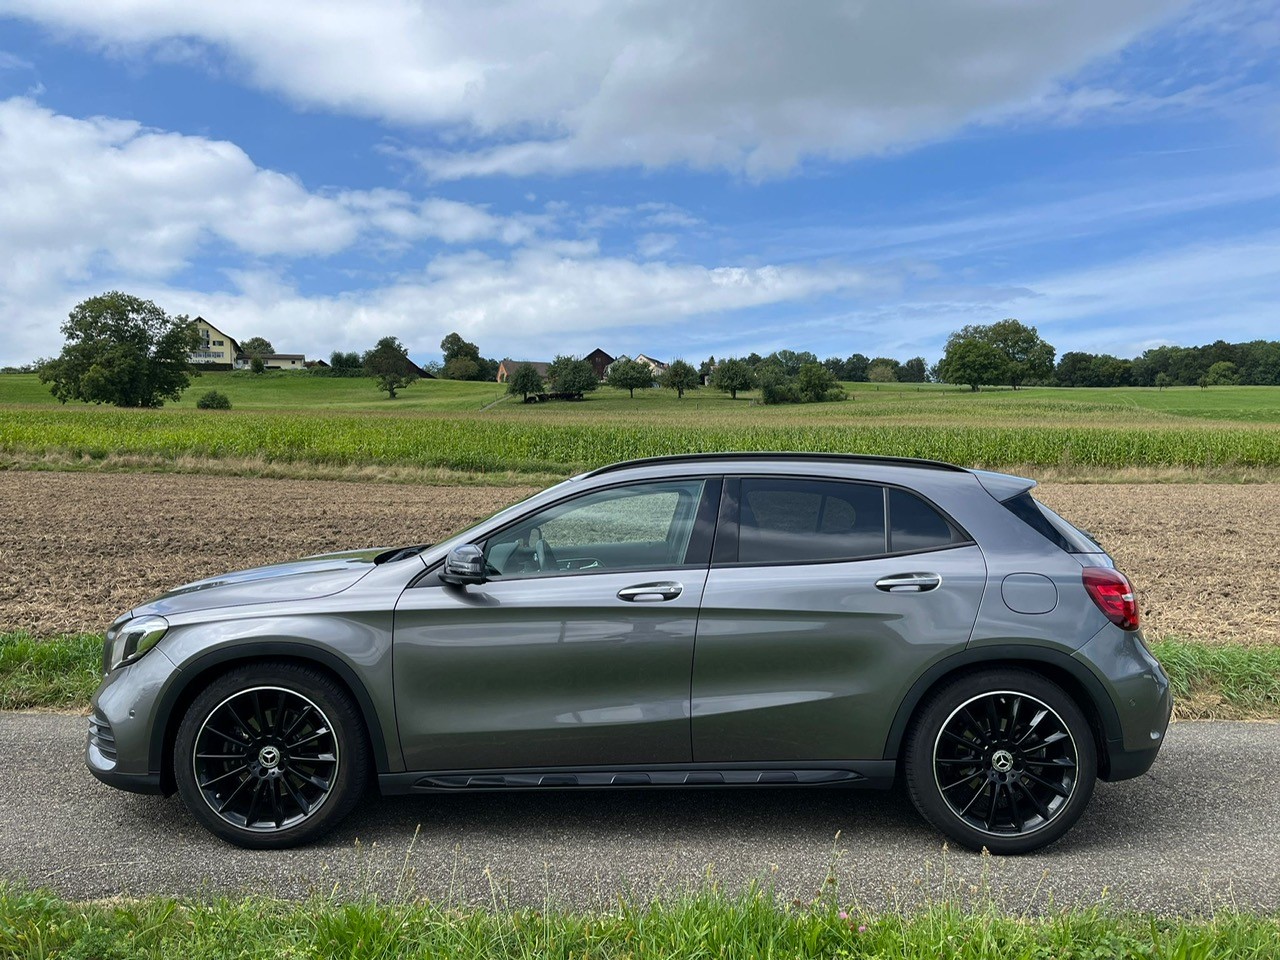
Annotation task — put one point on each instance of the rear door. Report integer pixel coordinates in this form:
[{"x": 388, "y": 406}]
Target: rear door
[{"x": 825, "y": 600}]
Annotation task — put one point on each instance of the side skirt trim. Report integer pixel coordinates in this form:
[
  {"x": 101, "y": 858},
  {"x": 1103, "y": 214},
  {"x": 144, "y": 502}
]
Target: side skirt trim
[{"x": 865, "y": 774}]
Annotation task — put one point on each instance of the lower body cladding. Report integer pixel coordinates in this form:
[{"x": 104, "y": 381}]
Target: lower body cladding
[{"x": 869, "y": 774}]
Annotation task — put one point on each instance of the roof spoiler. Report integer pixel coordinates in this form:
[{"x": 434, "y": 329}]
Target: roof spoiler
[{"x": 1003, "y": 486}]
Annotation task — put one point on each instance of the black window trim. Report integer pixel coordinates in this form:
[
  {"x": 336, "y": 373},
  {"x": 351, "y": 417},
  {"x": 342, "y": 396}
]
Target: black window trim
[
  {"x": 700, "y": 540},
  {"x": 725, "y": 552}
]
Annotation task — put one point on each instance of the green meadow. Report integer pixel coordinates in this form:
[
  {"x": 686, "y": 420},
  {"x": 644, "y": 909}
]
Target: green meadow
[{"x": 294, "y": 418}]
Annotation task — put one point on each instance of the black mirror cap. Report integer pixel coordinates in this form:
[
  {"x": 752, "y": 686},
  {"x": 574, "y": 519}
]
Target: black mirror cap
[{"x": 463, "y": 565}]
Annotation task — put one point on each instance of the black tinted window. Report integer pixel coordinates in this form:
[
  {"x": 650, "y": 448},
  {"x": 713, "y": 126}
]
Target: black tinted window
[
  {"x": 790, "y": 521},
  {"x": 914, "y": 525}
]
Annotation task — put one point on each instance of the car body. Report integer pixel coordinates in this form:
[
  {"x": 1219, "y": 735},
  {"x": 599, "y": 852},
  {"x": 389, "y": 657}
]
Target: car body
[{"x": 710, "y": 620}]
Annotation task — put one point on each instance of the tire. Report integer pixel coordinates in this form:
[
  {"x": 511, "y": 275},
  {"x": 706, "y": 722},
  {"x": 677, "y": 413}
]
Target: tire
[
  {"x": 1002, "y": 759},
  {"x": 271, "y": 755}
]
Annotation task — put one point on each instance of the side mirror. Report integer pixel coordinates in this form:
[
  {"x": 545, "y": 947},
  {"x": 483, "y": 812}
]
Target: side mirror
[{"x": 463, "y": 565}]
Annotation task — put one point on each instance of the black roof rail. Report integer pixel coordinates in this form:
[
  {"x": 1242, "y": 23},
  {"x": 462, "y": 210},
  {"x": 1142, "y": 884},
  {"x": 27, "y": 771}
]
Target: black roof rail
[{"x": 774, "y": 456}]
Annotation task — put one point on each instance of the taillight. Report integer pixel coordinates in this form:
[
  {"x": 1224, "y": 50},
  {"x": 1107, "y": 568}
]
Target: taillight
[{"x": 1112, "y": 592}]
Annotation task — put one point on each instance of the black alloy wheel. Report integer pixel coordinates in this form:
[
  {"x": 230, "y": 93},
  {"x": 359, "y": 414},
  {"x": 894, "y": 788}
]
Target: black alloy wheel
[
  {"x": 266, "y": 759},
  {"x": 1002, "y": 759},
  {"x": 271, "y": 755},
  {"x": 1005, "y": 762}
]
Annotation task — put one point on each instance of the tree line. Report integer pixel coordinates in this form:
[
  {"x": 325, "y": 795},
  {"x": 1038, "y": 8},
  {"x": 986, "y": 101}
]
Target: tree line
[{"x": 128, "y": 352}]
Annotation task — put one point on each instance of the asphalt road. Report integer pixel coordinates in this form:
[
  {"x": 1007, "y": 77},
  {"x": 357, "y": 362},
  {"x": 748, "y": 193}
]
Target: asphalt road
[{"x": 1199, "y": 832}]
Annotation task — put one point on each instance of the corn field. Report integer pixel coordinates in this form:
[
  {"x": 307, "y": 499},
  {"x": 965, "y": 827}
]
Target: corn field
[{"x": 484, "y": 444}]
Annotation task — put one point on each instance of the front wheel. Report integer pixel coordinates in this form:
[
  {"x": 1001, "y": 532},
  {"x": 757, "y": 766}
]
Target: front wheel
[
  {"x": 1002, "y": 759},
  {"x": 271, "y": 755}
]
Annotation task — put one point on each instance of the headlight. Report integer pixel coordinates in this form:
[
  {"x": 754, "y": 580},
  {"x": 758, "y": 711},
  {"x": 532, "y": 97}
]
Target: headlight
[{"x": 128, "y": 641}]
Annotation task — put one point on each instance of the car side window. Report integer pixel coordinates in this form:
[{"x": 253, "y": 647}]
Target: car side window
[
  {"x": 914, "y": 525},
  {"x": 623, "y": 528},
  {"x": 785, "y": 520}
]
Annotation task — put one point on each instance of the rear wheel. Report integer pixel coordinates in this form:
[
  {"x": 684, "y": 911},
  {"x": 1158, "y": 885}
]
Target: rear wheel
[
  {"x": 1002, "y": 759},
  {"x": 271, "y": 755}
]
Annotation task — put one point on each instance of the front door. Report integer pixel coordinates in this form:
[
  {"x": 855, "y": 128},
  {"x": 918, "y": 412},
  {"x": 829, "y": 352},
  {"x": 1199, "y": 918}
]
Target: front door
[{"x": 578, "y": 651}]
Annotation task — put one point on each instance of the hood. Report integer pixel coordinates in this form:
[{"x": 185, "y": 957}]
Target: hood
[{"x": 319, "y": 576}]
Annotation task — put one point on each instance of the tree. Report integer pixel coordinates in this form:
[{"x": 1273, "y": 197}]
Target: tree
[
  {"x": 733, "y": 375},
  {"x": 1027, "y": 357},
  {"x": 680, "y": 376},
  {"x": 883, "y": 370},
  {"x": 461, "y": 368},
  {"x": 571, "y": 375},
  {"x": 972, "y": 361},
  {"x": 256, "y": 347},
  {"x": 123, "y": 351},
  {"x": 855, "y": 368},
  {"x": 627, "y": 374},
  {"x": 816, "y": 383},
  {"x": 1222, "y": 374},
  {"x": 256, "y": 365},
  {"x": 388, "y": 363},
  {"x": 913, "y": 371},
  {"x": 1163, "y": 380},
  {"x": 1019, "y": 353},
  {"x": 1073, "y": 369},
  {"x": 344, "y": 365},
  {"x": 453, "y": 347},
  {"x": 707, "y": 367},
  {"x": 524, "y": 381}
]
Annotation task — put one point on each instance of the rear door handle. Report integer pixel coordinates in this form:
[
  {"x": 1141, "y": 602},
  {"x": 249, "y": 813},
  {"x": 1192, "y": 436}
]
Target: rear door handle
[
  {"x": 909, "y": 583},
  {"x": 651, "y": 592}
]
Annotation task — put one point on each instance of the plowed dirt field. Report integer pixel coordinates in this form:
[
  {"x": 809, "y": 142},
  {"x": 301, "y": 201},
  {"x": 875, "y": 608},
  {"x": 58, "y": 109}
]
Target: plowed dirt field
[{"x": 78, "y": 548}]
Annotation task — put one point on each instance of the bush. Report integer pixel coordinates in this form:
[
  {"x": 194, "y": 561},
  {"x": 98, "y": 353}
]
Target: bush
[{"x": 214, "y": 400}]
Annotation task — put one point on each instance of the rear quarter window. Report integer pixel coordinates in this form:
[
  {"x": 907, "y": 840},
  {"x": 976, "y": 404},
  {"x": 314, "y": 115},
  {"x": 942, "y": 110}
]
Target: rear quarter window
[
  {"x": 1051, "y": 526},
  {"x": 915, "y": 525}
]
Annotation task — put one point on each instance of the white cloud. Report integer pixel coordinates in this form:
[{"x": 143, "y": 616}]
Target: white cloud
[
  {"x": 518, "y": 304},
  {"x": 108, "y": 194},
  {"x": 651, "y": 245},
  {"x": 749, "y": 85}
]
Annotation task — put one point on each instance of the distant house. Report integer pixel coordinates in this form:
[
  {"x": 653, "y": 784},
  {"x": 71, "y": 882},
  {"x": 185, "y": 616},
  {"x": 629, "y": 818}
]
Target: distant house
[
  {"x": 215, "y": 346},
  {"x": 322, "y": 364},
  {"x": 508, "y": 367},
  {"x": 599, "y": 361},
  {"x": 274, "y": 361},
  {"x": 657, "y": 366}
]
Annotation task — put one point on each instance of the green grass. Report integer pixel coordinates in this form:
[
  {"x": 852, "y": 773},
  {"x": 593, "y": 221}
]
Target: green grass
[
  {"x": 59, "y": 672},
  {"x": 1219, "y": 681},
  {"x": 284, "y": 390},
  {"x": 1212, "y": 680},
  {"x": 322, "y": 422},
  {"x": 709, "y": 924}
]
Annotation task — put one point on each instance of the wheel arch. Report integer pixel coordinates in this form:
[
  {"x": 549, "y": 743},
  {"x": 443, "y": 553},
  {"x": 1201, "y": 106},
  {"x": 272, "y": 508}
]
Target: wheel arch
[
  {"x": 1074, "y": 678},
  {"x": 197, "y": 675}
]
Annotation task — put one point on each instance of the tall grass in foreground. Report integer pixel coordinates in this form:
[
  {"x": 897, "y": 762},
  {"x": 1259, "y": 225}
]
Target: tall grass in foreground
[
  {"x": 1210, "y": 681},
  {"x": 60, "y": 672},
  {"x": 37, "y": 924},
  {"x": 485, "y": 444}
]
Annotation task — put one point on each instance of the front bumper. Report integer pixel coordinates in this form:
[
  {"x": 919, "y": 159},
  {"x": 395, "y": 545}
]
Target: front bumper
[{"x": 120, "y": 747}]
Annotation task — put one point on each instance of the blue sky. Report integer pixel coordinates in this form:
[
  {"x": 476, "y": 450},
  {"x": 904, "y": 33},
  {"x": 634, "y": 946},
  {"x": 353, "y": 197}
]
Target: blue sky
[{"x": 661, "y": 177}]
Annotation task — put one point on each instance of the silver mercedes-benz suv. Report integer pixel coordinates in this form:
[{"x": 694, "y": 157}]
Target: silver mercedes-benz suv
[{"x": 735, "y": 620}]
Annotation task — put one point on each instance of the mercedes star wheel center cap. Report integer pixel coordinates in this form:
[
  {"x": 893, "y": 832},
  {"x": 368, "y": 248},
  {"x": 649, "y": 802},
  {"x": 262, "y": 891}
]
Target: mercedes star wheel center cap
[
  {"x": 269, "y": 757},
  {"x": 1002, "y": 761}
]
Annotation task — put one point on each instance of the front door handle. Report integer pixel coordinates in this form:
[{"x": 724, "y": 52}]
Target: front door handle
[
  {"x": 651, "y": 592},
  {"x": 909, "y": 583}
]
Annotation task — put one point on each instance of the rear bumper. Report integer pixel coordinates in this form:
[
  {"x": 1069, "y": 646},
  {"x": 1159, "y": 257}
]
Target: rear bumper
[{"x": 1139, "y": 690}]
